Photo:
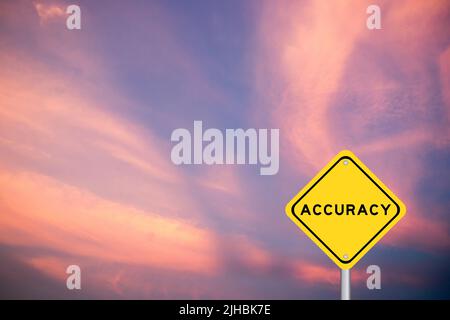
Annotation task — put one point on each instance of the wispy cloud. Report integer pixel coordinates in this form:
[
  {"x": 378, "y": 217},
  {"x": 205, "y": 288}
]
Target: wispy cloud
[
  {"x": 85, "y": 121},
  {"x": 49, "y": 11},
  {"x": 332, "y": 84}
]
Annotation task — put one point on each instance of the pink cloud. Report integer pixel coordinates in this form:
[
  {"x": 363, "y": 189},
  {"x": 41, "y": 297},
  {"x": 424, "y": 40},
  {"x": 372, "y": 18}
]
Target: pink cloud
[
  {"x": 71, "y": 220},
  {"x": 316, "y": 53},
  {"x": 53, "y": 124},
  {"x": 79, "y": 178},
  {"x": 307, "y": 48},
  {"x": 48, "y": 12},
  {"x": 307, "y": 57},
  {"x": 312, "y": 273},
  {"x": 51, "y": 266},
  {"x": 408, "y": 139},
  {"x": 420, "y": 233},
  {"x": 101, "y": 162},
  {"x": 60, "y": 124}
]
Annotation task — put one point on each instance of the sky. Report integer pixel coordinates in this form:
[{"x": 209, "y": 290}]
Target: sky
[{"x": 85, "y": 123}]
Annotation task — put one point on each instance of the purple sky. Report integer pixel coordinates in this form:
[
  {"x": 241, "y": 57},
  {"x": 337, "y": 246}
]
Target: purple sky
[{"x": 85, "y": 124}]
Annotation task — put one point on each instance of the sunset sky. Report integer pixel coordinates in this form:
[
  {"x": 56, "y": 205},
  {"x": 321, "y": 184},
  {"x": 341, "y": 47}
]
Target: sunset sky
[{"x": 86, "y": 118}]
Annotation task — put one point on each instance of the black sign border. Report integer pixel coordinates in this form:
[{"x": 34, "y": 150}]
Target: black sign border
[{"x": 321, "y": 241}]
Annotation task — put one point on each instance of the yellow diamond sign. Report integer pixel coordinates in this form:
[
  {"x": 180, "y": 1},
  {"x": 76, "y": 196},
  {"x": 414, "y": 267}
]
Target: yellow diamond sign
[{"x": 345, "y": 209}]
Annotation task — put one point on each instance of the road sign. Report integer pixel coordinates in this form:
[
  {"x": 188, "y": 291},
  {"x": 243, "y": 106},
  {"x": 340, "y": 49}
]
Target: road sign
[{"x": 345, "y": 209}]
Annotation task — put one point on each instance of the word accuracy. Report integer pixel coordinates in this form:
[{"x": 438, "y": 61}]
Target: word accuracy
[
  {"x": 241, "y": 146},
  {"x": 345, "y": 209}
]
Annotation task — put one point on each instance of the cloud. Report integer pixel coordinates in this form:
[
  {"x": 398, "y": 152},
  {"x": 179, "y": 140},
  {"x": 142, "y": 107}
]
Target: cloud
[
  {"x": 311, "y": 273},
  {"x": 49, "y": 12},
  {"x": 420, "y": 233},
  {"x": 80, "y": 179},
  {"x": 106, "y": 184},
  {"x": 71, "y": 220},
  {"x": 331, "y": 84},
  {"x": 307, "y": 56},
  {"x": 61, "y": 127},
  {"x": 85, "y": 171}
]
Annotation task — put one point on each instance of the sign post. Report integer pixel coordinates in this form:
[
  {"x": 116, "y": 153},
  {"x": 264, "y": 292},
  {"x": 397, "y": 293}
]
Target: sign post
[
  {"x": 345, "y": 284},
  {"x": 345, "y": 210}
]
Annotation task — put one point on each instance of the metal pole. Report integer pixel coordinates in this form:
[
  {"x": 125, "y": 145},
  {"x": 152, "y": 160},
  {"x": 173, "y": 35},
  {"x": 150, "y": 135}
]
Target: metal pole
[{"x": 345, "y": 284}]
